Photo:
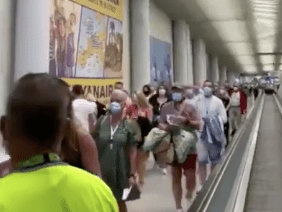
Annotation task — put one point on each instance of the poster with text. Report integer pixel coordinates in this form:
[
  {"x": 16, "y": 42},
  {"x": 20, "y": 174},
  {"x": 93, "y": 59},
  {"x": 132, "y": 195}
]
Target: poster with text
[
  {"x": 86, "y": 44},
  {"x": 161, "y": 65}
]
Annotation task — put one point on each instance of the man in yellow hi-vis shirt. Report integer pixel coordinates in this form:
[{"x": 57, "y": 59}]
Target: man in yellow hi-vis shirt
[{"x": 37, "y": 117}]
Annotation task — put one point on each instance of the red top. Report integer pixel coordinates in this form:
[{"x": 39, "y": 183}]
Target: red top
[
  {"x": 243, "y": 102},
  {"x": 133, "y": 112}
]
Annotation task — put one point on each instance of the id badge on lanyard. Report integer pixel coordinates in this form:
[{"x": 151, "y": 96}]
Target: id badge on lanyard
[{"x": 113, "y": 131}]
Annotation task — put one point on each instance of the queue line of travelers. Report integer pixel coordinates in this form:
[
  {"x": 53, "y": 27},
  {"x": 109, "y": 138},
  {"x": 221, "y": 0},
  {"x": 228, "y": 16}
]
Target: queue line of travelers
[{"x": 181, "y": 125}]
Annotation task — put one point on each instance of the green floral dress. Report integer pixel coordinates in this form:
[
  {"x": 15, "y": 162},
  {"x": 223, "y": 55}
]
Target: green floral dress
[{"x": 114, "y": 153}]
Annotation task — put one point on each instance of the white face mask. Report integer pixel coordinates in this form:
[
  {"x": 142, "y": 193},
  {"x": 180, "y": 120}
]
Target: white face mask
[
  {"x": 176, "y": 97},
  {"x": 162, "y": 91},
  {"x": 207, "y": 91}
]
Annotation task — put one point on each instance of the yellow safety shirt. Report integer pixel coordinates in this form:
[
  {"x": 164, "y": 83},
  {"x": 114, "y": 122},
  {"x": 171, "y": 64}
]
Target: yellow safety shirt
[{"x": 45, "y": 184}]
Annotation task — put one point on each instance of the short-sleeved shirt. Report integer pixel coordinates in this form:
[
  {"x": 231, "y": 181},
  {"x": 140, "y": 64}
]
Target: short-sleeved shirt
[
  {"x": 187, "y": 110},
  {"x": 235, "y": 99},
  {"x": 168, "y": 109},
  {"x": 113, "y": 153},
  {"x": 212, "y": 106},
  {"x": 57, "y": 188},
  {"x": 127, "y": 106},
  {"x": 82, "y": 109},
  {"x": 133, "y": 112}
]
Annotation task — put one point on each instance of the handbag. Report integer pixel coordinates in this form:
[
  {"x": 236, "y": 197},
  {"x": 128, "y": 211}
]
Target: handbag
[{"x": 181, "y": 145}]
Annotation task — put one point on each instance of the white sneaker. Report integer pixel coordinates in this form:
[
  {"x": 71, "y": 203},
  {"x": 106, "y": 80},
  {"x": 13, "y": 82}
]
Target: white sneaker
[
  {"x": 164, "y": 171},
  {"x": 179, "y": 210}
]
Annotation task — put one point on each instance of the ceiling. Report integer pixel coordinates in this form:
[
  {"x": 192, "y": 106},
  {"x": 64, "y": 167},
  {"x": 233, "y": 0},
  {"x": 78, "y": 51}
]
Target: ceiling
[{"x": 244, "y": 34}]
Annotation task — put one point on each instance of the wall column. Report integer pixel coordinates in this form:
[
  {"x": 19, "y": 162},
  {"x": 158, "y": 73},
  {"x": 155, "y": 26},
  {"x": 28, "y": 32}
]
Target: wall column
[
  {"x": 32, "y": 37},
  {"x": 200, "y": 71},
  {"x": 214, "y": 70},
  {"x": 190, "y": 74},
  {"x": 140, "y": 44},
  {"x": 231, "y": 77},
  {"x": 7, "y": 14},
  {"x": 180, "y": 52},
  {"x": 223, "y": 74}
]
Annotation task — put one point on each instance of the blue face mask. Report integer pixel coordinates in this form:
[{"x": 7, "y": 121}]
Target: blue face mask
[
  {"x": 176, "y": 97},
  {"x": 115, "y": 107}
]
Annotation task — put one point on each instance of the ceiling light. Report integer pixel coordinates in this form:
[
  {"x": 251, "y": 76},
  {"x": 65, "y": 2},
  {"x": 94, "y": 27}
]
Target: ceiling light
[
  {"x": 268, "y": 67},
  {"x": 267, "y": 59}
]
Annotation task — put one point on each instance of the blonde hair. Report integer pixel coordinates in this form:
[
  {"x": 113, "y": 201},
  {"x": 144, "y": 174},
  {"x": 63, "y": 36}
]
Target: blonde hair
[{"x": 141, "y": 100}]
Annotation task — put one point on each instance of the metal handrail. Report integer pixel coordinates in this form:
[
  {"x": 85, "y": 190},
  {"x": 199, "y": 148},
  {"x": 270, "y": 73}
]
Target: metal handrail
[
  {"x": 237, "y": 198},
  {"x": 204, "y": 198}
]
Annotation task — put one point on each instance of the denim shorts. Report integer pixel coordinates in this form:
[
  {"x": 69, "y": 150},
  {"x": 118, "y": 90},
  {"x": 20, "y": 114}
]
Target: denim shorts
[{"x": 207, "y": 151}]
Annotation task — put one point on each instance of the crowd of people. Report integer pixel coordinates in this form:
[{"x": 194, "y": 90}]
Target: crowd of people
[{"x": 61, "y": 141}]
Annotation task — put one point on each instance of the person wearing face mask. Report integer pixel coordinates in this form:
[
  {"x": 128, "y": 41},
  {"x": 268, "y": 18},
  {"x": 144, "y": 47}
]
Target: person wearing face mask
[
  {"x": 223, "y": 95},
  {"x": 175, "y": 116},
  {"x": 209, "y": 147},
  {"x": 141, "y": 113},
  {"x": 190, "y": 96},
  {"x": 157, "y": 101},
  {"x": 116, "y": 143},
  {"x": 147, "y": 90},
  {"x": 238, "y": 107}
]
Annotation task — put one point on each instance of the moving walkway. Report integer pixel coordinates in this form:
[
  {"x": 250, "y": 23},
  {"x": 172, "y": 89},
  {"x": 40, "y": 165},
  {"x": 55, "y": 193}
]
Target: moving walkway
[{"x": 250, "y": 177}]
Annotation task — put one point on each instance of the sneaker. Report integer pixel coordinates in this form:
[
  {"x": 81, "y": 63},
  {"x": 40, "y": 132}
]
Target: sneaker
[
  {"x": 164, "y": 171},
  {"x": 179, "y": 210}
]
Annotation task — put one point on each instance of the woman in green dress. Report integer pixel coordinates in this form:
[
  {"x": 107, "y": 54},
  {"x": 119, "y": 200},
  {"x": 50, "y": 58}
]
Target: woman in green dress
[{"x": 116, "y": 147}]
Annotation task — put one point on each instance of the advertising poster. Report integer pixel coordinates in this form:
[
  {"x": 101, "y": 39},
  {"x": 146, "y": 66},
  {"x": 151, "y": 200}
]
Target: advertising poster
[
  {"x": 86, "y": 44},
  {"x": 161, "y": 65}
]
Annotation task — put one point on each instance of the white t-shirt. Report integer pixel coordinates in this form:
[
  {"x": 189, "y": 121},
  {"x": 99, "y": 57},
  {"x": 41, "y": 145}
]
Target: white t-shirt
[
  {"x": 82, "y": 109},
  {"x": 212, "y": 106},
  {"x": 235, "y": 99}
]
